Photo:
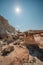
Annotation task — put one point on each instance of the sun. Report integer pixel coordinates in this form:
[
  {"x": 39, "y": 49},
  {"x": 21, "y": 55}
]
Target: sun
[{"x": 18, "y": 10}]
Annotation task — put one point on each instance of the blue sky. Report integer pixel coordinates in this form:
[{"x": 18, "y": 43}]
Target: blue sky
[{"x": 31, "y": 16}]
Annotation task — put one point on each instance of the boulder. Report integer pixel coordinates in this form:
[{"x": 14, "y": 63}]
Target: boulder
[{"x": 7, "y": 50}]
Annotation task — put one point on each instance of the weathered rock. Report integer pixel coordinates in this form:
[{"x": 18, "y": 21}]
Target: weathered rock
[{"x": 7, "y": 50}]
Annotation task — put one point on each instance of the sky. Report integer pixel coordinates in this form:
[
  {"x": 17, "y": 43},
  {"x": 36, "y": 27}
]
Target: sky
[{"x": 29, "y": 18}]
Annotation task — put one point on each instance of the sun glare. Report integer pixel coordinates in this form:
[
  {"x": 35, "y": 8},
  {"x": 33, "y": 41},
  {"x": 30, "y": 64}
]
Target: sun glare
[{"x": 18, "y": 10}]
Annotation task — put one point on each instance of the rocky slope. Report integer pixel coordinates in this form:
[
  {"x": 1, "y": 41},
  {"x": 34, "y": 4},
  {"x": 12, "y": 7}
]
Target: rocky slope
[{"x": 5, "y": 27}]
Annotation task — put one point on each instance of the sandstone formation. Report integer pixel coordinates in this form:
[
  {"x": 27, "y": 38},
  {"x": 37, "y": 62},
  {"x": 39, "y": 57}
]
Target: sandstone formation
[{"x": 20, "y": 48}]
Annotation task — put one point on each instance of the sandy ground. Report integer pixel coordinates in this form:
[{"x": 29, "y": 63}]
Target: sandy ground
[
  {"x": 15, "y": 57},
  {"x": 20, "y": 56}
]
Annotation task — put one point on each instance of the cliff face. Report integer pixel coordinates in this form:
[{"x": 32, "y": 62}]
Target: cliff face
[
  {"x": 4, "y": 26},
  {"x": 34, "y": 37}
]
